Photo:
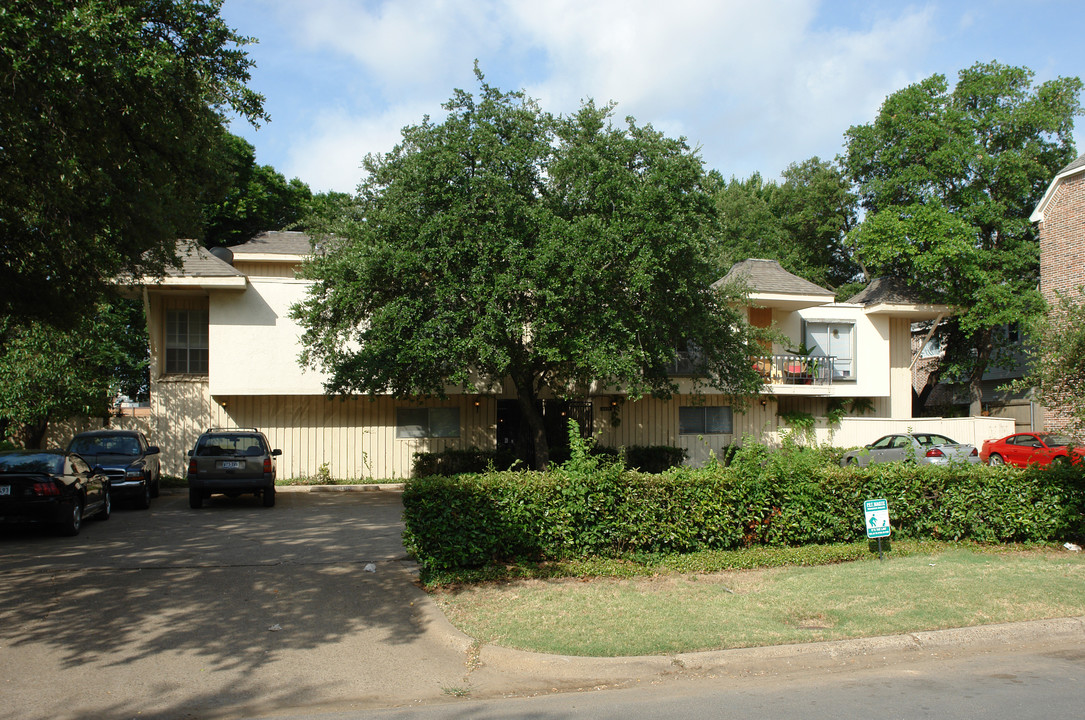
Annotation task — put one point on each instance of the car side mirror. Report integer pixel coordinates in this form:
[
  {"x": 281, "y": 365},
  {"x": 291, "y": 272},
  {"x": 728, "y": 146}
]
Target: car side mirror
[
  {"x": 276, "y": 452},
  {"x": 153, "y": 450},
  {"x": 189, "y": 453}
]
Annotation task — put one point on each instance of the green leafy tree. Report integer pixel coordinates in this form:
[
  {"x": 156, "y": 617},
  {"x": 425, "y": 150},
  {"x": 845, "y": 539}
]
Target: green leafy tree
[
  {"x": 508, "y": 245},
  {"x": 257, "y": 198},
  {"x": 48, "y": 373},
  {"x": 1057, "y": 361},
  {"x": 948, "y": 179},
  {"x": 802, "y": 222},
  {"x": 746, "y": 226},
  {"x": 111, "y": 117},
  {"x": 817, "y": 209}
]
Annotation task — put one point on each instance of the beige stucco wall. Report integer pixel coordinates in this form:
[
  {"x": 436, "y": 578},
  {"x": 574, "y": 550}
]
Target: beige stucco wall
[{"x": 254, "y": 345}]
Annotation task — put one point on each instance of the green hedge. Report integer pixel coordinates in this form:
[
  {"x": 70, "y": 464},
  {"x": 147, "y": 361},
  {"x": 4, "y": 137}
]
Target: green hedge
[{"x": 594, "y": 507}]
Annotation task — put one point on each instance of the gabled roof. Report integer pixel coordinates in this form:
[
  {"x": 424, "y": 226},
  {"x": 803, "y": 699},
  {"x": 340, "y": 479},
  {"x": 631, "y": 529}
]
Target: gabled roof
[
  {"x": 278, "y": 245},
  {"x": 772, "y": 286},
  {"x": 1077, "y": 166},
  {"x": 892, "y": 296}
]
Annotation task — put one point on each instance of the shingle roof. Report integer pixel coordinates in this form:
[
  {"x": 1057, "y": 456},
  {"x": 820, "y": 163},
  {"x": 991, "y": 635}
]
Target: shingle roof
[
  {"x": 1079, "y": 163},
  {"x": 768, "y": 276},
  {"x": 197, "y": 261},
  {"x": 888, "y": 290},
  {"x": 278, "y": 242}
]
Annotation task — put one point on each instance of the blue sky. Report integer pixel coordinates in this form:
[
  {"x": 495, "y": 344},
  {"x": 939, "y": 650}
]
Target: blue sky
[{"x": 754, "y": 85}]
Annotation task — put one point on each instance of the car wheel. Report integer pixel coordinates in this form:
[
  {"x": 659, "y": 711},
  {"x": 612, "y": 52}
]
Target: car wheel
[
  {"x": 144, "y": 500},
  {"x": 70, "y": 525},
  {"x": 854, "y": 462},
  {"x": 995, "y": 460},
  {"x": 195, "y": 499},
  {"x": 107, "y": 506},
  {"x": 1060, "y": 460},
  {"x": 269, "y": 497},
  {"x": 155, "y": 488}
]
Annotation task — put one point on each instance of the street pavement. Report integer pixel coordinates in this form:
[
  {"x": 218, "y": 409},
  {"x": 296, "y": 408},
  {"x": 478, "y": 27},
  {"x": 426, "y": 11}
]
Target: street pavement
[{"x": 242, "y": 611}]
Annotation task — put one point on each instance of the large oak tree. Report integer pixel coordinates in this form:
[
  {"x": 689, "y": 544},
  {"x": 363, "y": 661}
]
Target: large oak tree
[
  {"x": 111, "y": 117},
  {"x": 512, "y": 246},
  {"x": 948, "y": 179}
]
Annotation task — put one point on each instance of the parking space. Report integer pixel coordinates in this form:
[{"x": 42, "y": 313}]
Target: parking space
[{"x": 231, "y": 610}]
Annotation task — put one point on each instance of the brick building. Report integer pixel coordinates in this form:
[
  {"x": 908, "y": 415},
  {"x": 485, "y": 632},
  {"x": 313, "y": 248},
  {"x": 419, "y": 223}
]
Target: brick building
[{"x": 1061, "y": 218}]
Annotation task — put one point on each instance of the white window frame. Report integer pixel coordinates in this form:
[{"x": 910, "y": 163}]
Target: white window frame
[{"x": 844, "y": 369}]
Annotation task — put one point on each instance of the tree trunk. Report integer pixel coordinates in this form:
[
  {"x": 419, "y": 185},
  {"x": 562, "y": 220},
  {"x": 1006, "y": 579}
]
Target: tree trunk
[
  {"x": 529, "y": 410},
  {"x": 975, "y": 389},
  {"x": 31, "y": 435}
]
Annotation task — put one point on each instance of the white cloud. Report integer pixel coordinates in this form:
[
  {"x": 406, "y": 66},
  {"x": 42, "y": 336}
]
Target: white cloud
[
  {"x": 756, "y": 85},
  {"x": 328, "y": 154}
]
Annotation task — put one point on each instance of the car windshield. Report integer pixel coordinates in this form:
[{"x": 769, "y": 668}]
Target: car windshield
[
  {"x": 929, "y": 440},
  {"x": 244, "y": 445},
  {"x": 31, "y": 463},
  {"x": 105, "y": 445},
  {"x": 1052, "y": 440}
]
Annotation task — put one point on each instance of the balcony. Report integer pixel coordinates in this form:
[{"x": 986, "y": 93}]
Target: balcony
[
  {"x": 798, "y": 369},
  {"x": 777, "y": 369}
]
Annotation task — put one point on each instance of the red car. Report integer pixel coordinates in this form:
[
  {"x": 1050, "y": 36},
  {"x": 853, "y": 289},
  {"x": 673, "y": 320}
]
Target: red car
[{"x": 1031, "y": 449}]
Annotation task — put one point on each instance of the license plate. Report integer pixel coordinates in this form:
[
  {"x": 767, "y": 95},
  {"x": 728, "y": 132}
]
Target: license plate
[
  {"x": 5, "y": 489},
  {"x": 232, "y": 464}
]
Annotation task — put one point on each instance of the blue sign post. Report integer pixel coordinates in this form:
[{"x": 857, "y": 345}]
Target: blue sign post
[{"x": 877, "y": 521}]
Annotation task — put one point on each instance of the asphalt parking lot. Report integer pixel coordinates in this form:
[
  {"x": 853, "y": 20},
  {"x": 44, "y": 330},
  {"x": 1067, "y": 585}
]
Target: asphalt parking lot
[{"x": 231, "y": 611}]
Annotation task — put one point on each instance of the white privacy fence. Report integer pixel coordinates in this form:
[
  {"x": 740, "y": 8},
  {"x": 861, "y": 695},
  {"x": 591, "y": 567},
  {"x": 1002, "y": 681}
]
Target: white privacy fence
[{"x": 853, "y": 432}]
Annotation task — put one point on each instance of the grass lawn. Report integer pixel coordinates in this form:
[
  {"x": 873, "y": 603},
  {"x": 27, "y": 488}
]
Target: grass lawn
[{"x": 659, "y": 610}]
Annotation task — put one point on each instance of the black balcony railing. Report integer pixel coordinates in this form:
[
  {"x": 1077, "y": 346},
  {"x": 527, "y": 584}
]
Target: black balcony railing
[
  {"x": 795, "y": 369},
  {"x": 775, "y": 369}
]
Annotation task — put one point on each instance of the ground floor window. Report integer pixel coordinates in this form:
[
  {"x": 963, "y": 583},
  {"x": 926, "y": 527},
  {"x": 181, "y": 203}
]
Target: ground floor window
[
  {"x": 705, "y": 420},
  {"x": 427, "y": 422}
]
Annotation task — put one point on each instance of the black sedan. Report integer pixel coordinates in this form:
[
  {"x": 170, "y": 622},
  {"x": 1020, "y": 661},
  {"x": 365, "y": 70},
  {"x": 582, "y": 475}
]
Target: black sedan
[
  {"x": 51, "y": 486},
  {"x": 126, "y": 458}
]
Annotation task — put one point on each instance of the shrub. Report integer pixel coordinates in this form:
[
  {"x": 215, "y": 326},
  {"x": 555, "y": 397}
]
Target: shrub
[{"x": 593, "y": 506}]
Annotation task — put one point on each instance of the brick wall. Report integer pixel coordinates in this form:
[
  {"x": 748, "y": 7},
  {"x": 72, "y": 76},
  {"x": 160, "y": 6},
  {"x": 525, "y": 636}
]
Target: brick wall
[{"x": 1062, "y": 253}]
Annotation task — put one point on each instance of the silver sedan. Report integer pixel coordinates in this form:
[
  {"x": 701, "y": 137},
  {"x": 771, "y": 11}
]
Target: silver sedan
[{"x": 919, "y": 448}]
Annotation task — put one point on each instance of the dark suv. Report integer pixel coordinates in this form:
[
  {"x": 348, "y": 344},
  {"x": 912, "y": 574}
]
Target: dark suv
[
  {"x": 231, "y": 461},
  {"x": 126, "y": 458}
]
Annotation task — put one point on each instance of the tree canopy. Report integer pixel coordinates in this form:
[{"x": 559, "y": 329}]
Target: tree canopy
[
  {"x": 508, "y": 245},
  {"x": 948, "y": 179},
  {"x": 256, "y": 198},
  {"x": 47, "y": 372},
  {"x": 802, "y": 222},
  {"x": 111, "y": 117}
]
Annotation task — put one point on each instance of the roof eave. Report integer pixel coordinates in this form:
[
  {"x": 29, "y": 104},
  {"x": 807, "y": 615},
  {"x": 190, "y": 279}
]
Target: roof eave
[
  {"x": 1041, "y": 207},
  {"x": 912, "y": 311},
  {"x": 788, "y": 301},
  {"x": 269, "y": 257},
  {"x": 233, "y": 282}
]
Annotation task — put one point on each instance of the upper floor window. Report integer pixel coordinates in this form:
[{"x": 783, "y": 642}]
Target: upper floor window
[
  {"x": 427, "y": 422},
  {"x": 835, "y": 340},
  {"x": 186, "y": 341},
  {"x": 705, "y": 420}
]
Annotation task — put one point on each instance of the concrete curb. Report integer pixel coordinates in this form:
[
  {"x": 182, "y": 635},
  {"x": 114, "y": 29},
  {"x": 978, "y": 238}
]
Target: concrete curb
[
  {"x": 370, "y": 487},
  {"x": 499, "y": 667}
]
